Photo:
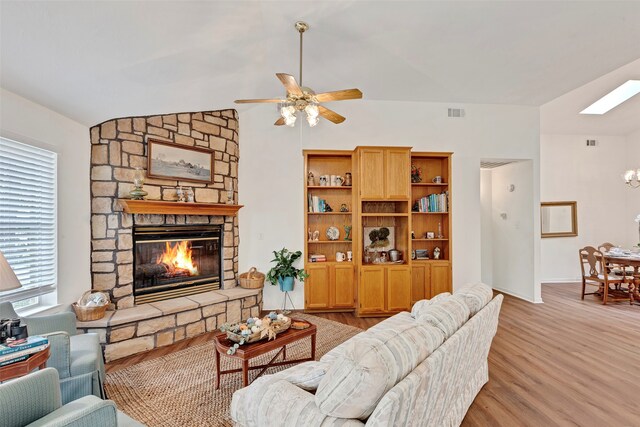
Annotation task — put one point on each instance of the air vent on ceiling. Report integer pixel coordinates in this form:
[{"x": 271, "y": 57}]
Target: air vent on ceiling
[
  {"x": 490, "y": 164},
  {"x": 591, "y": 143},
  {"x": 456, "y": 112}
]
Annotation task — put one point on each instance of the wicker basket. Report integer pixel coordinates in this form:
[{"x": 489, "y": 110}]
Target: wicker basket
[
  {"x": 94, "y": 312},
  {"x": 252, "y": 279},
  {"x": 278, "y": 327}
]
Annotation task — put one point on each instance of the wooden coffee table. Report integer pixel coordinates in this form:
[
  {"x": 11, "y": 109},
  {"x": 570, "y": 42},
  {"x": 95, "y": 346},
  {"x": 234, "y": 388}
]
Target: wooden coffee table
[{"x": 250, "y": 351}]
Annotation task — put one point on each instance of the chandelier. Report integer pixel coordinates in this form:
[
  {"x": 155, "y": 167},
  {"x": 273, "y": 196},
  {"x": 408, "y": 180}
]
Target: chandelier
[{"x": 632, "y": 178}]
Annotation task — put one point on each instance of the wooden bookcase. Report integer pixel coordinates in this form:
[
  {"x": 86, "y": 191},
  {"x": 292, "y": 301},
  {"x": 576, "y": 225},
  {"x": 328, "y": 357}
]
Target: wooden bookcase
[
  {"x": 331, "y": 284},
  {"x": 430, "y": 277},
  {"x": 381, "y": 195}
]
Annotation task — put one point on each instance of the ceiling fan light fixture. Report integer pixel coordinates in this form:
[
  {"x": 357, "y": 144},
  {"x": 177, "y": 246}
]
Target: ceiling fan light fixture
[
  {"x": 312, "y": 110},
  {"x": 312, "y": 121},
  {"x": 290, "y": 121}
]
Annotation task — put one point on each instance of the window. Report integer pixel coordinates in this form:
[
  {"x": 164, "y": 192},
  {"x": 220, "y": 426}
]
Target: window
[{"x": 28, "y": 219}]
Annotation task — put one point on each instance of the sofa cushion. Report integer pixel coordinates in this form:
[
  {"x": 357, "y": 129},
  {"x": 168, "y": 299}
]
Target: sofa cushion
[
  {"x": 476, "y": 296},
  {"x": 372, "y": 363},
  {"x": 448, "y": 314},
  {"x": 421, "y": 305},
  {"x": 306, "y": 375}
]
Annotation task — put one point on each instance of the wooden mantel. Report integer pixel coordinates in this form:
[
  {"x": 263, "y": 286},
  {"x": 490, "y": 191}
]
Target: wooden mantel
[{"x": 177, "y": 208}]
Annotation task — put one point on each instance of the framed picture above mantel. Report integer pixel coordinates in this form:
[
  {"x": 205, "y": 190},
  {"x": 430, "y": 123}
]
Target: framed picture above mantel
[{"x": 178, "y": 162}]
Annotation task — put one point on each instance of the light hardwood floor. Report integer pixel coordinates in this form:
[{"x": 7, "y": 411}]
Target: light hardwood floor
[{"x": 566, "y": 362}]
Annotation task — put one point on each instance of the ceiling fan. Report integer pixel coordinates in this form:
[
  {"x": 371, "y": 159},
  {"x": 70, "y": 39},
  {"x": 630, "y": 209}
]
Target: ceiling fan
[{"x": 302, "y": 98}]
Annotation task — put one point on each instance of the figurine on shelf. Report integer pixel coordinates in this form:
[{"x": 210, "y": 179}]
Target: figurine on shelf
[
  {"x": 180, "y": 194},
  {"x": 415, "y": 207},
  {"x": 344, "y": 208},
  {"x": 347, "y": 179},
  {"x": 416, "y": 174},
  {"x": 190, "y": 195},
  {"x": 311, "y": 180},
  {"x": 327, "y": 207},
  {"x": 436, "y": 253},
  {"x": 315, "y": 236},
  {"x": 347, "y": 230},
  {"x": 413, "y": 235}
]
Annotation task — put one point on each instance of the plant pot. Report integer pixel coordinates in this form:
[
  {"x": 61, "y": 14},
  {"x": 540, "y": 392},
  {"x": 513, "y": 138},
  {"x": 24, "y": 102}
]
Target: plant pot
[{"x": 286, "y": 284}]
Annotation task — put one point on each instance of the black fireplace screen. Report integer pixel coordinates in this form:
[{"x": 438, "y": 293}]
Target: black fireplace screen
[{"x": 173, "y": 261}]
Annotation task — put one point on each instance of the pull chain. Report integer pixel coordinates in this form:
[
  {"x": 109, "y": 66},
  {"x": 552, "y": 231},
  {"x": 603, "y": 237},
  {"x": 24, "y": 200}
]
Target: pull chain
[{"x": 301, "y": 33}]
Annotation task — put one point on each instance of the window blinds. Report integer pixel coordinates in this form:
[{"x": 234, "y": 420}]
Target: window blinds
[{"x": 28, "y": 217}]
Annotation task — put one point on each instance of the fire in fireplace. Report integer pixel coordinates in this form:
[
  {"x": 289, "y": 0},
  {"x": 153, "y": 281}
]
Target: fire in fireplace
[{"x": 173, "y": 261}]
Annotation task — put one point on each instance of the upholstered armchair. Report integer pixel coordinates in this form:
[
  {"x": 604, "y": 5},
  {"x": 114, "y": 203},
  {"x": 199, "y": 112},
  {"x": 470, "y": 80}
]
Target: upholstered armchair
[
  {"x": 34, "y": 401},
  {"x": 76, "y": 357}
]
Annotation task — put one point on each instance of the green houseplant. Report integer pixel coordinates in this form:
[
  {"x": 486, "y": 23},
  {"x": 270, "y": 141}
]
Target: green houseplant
[{"x": 284, "y": 273}]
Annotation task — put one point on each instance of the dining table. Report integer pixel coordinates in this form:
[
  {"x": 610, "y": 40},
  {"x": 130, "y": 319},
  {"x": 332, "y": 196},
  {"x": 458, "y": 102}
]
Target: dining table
[{"x": 627, "y": 259}]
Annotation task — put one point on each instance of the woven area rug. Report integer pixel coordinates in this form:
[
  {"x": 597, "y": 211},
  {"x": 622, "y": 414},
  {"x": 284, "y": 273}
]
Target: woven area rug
[{"x": 178, "y": 389}]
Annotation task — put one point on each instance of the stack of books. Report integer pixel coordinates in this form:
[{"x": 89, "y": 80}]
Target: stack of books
[
  {"x": 317, "y": 258},
  {"x": 316, "y": 204},
  {"x": 19, "y": 350},
  {"x": 434, "y": 203}
]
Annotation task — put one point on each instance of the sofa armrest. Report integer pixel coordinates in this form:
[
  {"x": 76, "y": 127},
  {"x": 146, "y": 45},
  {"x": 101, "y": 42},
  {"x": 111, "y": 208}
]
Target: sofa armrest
[
  {"x": 64, "y": 321},
  {"x": 88, "y": 411},
  {"x": 60, "y": 353},
  {"x": 273, "y": 402},
  {"x": 29, "y": 398}
]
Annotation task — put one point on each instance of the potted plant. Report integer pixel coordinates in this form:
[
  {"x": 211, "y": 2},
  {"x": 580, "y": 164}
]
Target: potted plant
[{"x": 284, "y": 273}]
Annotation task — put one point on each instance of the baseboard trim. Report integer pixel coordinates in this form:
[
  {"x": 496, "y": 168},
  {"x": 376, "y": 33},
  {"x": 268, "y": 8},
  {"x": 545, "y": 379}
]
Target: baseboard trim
[{"x": 522, "y": 297}]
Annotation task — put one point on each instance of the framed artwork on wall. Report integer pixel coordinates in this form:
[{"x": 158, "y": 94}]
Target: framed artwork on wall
[{"x": 177, "y": 162}]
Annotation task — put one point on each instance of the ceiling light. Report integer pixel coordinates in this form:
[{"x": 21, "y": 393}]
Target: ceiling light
[
  {"x": 312, "y": 121},
  {"x": 614, "y": 98}
]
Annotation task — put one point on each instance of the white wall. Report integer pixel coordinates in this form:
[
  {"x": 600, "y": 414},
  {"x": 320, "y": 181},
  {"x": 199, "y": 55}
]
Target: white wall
[
  {"x": 271, "y": 169},
  {"x": 30, "y": 123},
  {"x": 592, "y": 176},
  {"x": 632, "y": 157},
  {"x": 512, "y": 232},
  {"x": 486, "y": 226}
]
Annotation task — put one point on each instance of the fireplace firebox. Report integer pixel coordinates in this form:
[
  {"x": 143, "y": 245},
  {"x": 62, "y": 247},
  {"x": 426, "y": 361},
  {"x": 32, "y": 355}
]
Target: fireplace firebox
[{"x": 173, "y": 261}]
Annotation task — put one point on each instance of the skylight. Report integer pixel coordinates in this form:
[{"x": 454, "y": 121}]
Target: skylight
[{"x": 614, "y": 98}]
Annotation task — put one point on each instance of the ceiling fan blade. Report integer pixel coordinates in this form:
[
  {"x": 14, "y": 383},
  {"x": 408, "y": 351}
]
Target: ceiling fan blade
[
  {"x": 339, "y": 95},
  {"x": 251, "y": 101},
  {"x": 330, "y": 115},
  {"x": 279, "y": 122},
  {"x": 290, "y": 84}
]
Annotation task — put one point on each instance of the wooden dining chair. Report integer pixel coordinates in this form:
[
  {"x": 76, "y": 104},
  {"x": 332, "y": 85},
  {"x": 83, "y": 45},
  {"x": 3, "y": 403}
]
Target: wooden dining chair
[
  {"x": 595, "y": 273},
  {"x": 617, "y": 270}
]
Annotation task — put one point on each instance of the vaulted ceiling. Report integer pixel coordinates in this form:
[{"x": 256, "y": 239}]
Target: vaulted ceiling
[{"x": 92, "y": 60}]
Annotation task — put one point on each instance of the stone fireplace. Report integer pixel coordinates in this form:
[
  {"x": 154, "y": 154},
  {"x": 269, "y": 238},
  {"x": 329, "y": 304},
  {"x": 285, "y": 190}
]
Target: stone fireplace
[
  {"x": 158, "y": 300},
  {"x": 173, "y": 261},
  {"x": 119, "y": 146}
]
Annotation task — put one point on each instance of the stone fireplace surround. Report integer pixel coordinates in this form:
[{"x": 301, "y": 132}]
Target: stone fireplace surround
[{"x": 117, "y": 147}]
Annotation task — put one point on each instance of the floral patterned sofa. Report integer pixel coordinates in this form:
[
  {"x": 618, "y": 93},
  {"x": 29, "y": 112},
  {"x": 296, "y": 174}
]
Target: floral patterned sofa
[{"x": 422, "y": 368}]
